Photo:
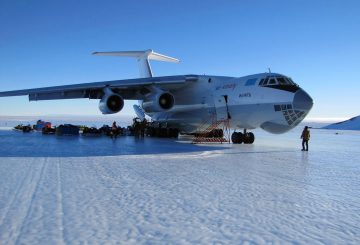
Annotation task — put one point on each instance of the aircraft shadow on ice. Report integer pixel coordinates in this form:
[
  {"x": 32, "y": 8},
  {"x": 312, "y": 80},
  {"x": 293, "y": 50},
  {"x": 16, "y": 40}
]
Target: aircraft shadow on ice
[{"x": 17, "y": 144}]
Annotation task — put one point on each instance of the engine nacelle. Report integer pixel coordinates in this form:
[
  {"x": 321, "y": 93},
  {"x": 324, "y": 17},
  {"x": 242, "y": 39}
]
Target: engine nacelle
[
  {"x": 159, "y": 102},
  {"x": 111, "y": 103}
]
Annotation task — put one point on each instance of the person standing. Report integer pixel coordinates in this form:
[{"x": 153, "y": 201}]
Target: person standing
[
  {"x": 114, "y": 130},
  {"x": 305, "y": 136}
]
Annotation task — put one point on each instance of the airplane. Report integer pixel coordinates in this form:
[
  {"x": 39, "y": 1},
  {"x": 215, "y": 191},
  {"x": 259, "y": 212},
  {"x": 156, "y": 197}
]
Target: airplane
[{"x": 271, "y": 101}]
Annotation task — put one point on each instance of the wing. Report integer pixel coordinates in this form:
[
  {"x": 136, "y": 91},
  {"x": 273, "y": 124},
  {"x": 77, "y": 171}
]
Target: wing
[{"x": 133, "y": 89}]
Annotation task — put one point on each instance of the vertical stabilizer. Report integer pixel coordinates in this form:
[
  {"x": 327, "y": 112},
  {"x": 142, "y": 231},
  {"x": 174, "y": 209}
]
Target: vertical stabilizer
[{"x": 143, "y": 58}]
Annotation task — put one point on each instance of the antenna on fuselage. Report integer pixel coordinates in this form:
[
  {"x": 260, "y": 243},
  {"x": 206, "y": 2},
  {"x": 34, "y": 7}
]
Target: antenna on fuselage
[{"x": 269, "y": 69}]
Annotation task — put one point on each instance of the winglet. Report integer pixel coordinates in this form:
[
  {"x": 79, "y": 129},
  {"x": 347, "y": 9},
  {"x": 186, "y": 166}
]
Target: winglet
[{"x": 143, "y": 58}]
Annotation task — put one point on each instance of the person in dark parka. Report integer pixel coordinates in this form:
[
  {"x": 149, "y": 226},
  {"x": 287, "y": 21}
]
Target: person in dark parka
[{"x": 305, "y": 136}]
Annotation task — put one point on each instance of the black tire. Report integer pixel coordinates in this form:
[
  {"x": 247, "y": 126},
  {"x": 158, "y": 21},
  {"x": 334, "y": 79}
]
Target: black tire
[
  {"x": 249, "y": 138},
  {"x": 234, "y": 138},
  {"x": 163, "y": 133},
  {"x": 174, "y": 133},
  {"x": 237, "y": 138}
]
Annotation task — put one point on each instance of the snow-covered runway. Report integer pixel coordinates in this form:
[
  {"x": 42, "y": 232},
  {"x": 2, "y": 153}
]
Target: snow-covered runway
[{"x": 56, "y": 190}]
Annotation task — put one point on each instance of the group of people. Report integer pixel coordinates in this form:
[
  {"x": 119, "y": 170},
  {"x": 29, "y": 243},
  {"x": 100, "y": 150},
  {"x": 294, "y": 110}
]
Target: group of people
[{"x": 137, "y": 129}]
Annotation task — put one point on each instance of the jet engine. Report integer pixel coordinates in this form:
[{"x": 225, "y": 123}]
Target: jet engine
[
  {"x": 158, "y": 102},
  {"x": 111, "y": 102}
]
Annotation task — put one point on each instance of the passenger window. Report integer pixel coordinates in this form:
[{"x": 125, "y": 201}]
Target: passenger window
[{"x": 272, "y": 81}]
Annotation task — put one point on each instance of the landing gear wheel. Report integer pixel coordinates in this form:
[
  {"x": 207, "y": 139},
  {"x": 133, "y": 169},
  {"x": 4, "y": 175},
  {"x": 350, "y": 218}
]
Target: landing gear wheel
[
  {"x": 173, "y": 133},
  {"x": 162, "y": 132},
  {"x": 237, "y": 138},
  {"x": 249, "y": 138}
]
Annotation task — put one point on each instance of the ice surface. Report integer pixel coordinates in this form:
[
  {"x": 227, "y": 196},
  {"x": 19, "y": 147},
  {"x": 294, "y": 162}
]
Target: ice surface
[
  {"x": 351, "y": 124},
  {"x": 75, "y": 190}
]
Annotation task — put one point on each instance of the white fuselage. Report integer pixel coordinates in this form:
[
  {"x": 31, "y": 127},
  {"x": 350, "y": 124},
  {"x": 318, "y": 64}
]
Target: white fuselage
[{"x": 247, "y": 105}]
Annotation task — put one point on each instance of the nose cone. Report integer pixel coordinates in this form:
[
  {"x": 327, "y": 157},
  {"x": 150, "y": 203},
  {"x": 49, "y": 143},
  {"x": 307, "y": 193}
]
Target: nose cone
[
  {"x": 290, "y": 117},
  {"x": 302, "y": 101}
]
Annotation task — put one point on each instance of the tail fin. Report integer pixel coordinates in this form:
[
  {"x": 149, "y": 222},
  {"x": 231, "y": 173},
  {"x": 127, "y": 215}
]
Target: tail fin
[{"x": 143, "y": 58}]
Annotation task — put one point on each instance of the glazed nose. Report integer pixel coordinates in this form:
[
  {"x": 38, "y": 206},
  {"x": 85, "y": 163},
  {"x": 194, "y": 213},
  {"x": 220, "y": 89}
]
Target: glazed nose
[{"x": 302, "y": 101}]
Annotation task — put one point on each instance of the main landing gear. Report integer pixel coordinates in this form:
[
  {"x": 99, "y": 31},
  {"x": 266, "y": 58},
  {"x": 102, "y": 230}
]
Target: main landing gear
[
  {"x": 162, "y": 132},
  {"x": 246, "y": 137}
]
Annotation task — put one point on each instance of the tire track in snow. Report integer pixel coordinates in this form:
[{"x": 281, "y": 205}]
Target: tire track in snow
[
  {"x": 87, "y": 204},
  {"x": 31, "y": 204},
  {"x": 13, "y": 198},
  {"x": 60, "y": 209},
  {"x": 9, "y": 227}
]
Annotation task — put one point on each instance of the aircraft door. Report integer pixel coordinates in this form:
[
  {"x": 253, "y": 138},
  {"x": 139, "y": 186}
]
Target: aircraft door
[{"x": 221, "y": 107}]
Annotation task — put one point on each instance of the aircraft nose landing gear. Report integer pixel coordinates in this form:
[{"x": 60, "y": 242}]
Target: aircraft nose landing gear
[{"x": 246, "y": 137}]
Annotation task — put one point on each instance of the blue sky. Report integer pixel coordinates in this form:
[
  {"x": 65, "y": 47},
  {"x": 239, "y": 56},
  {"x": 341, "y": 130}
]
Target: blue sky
[{"x": 45, "y": 43}]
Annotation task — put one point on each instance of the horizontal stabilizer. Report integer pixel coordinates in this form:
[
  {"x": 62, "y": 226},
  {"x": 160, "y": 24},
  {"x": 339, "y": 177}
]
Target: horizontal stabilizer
[
  {"x": 143, "y": 58},
  {"x": 149, "y": 54}
]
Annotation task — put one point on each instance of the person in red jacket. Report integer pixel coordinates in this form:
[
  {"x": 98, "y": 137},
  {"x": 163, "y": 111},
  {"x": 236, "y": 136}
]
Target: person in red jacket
[{"x": 305, "y": 136}]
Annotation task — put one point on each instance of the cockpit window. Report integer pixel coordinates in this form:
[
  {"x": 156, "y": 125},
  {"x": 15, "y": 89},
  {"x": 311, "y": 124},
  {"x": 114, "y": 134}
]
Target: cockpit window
[
  {"x": 281, "y": 81},
  {"x": 272, "y": 81},
  {"x": 276, "y": 81},
  {"x": 291, "y": 81},
  {"x": 266, "y": 81}
]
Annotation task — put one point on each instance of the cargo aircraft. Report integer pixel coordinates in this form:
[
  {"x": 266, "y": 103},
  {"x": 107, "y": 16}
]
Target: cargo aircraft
[{"x": 270, "y": 101}]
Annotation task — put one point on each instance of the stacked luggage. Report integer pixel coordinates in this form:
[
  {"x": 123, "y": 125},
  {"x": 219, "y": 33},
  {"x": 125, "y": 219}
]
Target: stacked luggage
[{"x": 67, "y": 129}]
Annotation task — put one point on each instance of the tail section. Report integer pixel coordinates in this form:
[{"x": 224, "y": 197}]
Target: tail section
[{"x": 143, "y": 58}]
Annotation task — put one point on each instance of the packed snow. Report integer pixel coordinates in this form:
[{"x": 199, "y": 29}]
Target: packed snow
[
  {"x": 78, "y": 190},
  {"x": 351, "y": 124}
]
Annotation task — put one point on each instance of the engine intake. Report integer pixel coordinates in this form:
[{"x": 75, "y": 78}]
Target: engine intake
[
  {"x": 111, "y": 103},
  {"x": 159, "y": 102}
]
